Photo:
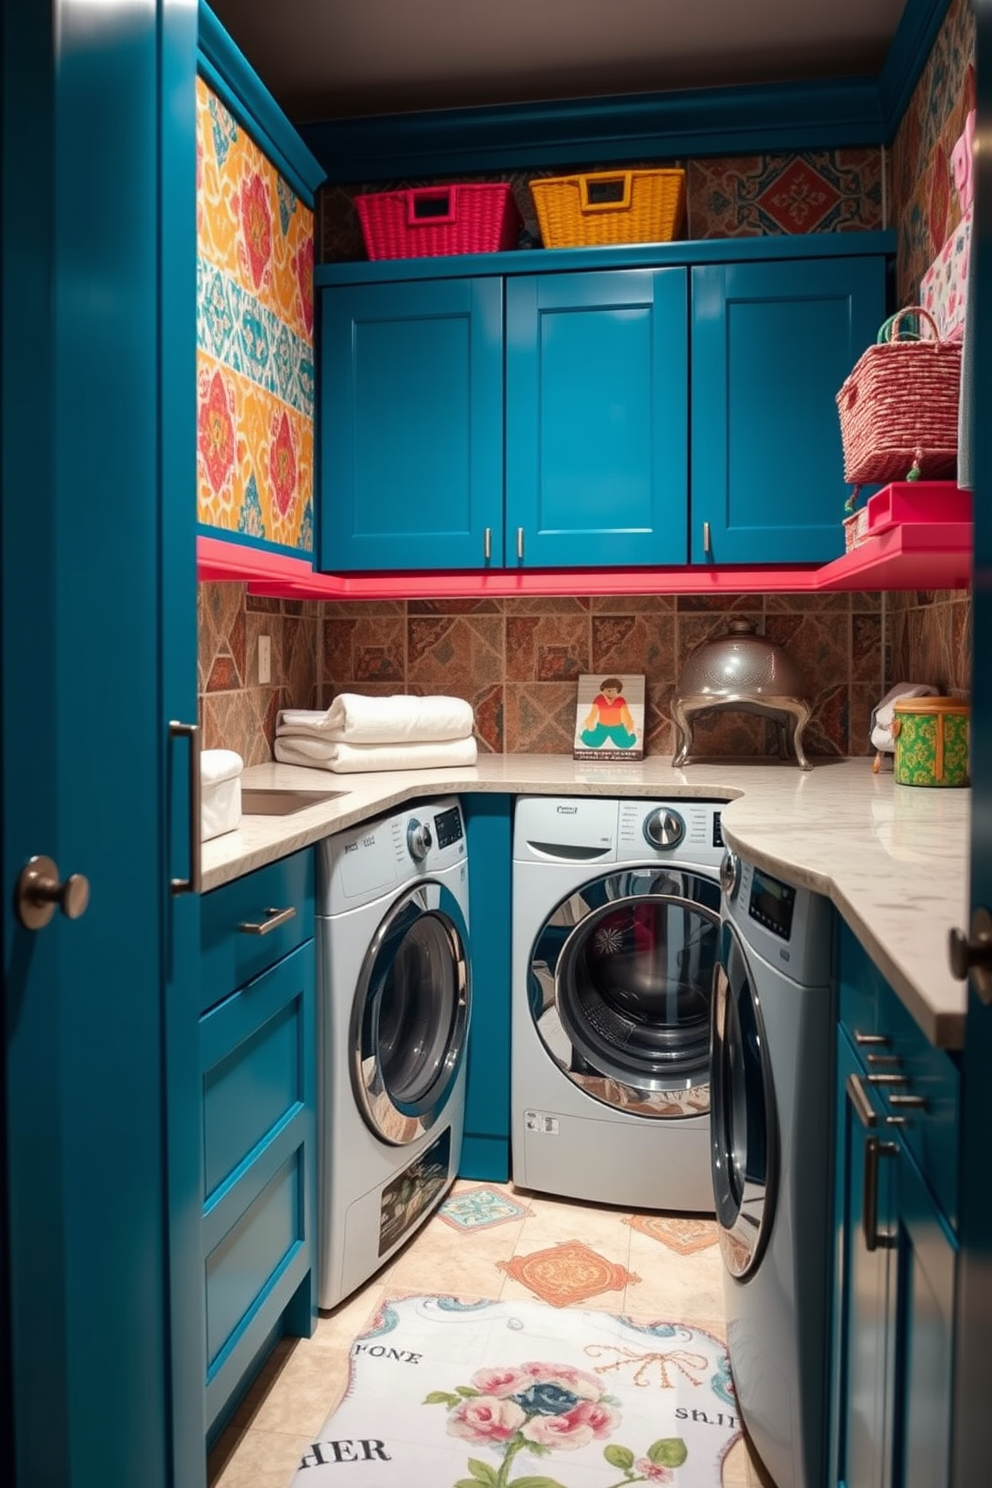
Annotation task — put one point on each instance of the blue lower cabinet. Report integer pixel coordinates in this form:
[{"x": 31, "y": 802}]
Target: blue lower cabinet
[
  {"x": 597, "y": 418},
  {"x": 258, "y": 1109},
  {"x": 486, "y": 1140},
  {"x": 896, "y": 1246},
  {"x": 771, "y": 345}
]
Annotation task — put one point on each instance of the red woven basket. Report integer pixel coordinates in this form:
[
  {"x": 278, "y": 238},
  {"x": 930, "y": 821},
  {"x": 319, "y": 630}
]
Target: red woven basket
[
  {"x": 425, "y": 221},
  {"x": 899, "y": 408}
]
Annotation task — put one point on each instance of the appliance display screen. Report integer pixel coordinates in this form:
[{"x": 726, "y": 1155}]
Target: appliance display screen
[
  {"x": 772, "y": 904},
  {"x": 448, "y": 826}
]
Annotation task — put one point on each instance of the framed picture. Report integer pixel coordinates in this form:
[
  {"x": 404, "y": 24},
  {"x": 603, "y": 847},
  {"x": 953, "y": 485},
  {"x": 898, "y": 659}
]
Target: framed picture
[{"x": 609, "y": 717}]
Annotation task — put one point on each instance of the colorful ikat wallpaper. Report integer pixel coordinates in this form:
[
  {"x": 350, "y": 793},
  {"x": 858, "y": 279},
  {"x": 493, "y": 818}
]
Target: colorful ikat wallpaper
[{"x": 255, "y": 361}]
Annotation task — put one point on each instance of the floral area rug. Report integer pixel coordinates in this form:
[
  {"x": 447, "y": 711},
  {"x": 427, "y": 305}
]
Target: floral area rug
[{"x": 447, "y": 1393}]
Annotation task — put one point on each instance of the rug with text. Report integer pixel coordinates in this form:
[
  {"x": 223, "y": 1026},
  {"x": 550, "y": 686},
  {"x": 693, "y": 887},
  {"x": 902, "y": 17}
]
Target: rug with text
[{"x": 449, "y": 1393}]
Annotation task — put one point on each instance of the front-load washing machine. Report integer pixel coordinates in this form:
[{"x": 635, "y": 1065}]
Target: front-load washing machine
[
  {"x": 774, "y": 1018},
  {"x": 393, "y": 1001},
  {"x": 615, "y": 930}
]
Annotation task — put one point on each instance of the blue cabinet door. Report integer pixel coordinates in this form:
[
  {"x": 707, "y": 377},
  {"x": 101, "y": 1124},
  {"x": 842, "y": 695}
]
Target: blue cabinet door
[
  {"x": 411, "y": 425},
  {"x": 771, "y": 345},
  {"x": 596, "y": 419}
]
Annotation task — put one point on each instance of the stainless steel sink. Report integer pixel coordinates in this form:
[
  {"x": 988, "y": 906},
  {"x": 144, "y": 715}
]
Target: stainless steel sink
[{"x": 256, "y": 801}]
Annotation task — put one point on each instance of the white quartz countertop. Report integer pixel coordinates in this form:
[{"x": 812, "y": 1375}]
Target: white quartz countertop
[{"x": 892, "y": 858}]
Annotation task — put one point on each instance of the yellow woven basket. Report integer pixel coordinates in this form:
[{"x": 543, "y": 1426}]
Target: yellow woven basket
[{"x": 634, "y": 206}]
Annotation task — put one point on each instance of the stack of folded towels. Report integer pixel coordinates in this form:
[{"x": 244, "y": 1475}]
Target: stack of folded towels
[{"x": 378, "y": 733}]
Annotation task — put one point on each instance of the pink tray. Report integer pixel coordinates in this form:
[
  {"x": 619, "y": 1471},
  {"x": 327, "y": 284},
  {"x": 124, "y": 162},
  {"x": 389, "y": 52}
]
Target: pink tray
[{"x": 917, "y": 501}]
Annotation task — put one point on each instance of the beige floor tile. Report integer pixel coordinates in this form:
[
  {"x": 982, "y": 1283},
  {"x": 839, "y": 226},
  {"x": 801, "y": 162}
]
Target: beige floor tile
[
  {"x": 686, "y": 1289},
  {"x": 736, "y": 1467},
  {"x": 299, "y": 1393},
  {"x": 342, "y": 1326},
  {"x": 554, "y": 1221},
  {"x": 255, "y": 1459},
  {"x": 447, "y": 1261}
]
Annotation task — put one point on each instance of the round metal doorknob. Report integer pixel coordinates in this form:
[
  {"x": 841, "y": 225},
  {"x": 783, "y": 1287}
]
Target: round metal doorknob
[
  {"x": 973, "y": 956},
  {"x": 40, "y": 892}
]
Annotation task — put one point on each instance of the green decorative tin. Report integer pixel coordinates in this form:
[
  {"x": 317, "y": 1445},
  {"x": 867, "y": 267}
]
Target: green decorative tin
[{"x": 931, "y": 737}]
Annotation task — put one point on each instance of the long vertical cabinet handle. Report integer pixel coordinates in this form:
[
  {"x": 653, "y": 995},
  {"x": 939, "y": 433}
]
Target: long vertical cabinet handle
[
  {"x": 520, "y": 542},
  {"x": 874, "y": 1152},
  {"x": 487, "y": 544},
  {"x": 194, "y": 883},
  {"x": 707, "y": 546}
]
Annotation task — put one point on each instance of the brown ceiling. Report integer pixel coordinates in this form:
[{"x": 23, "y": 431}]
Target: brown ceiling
[{"x": 347, "y": 58}]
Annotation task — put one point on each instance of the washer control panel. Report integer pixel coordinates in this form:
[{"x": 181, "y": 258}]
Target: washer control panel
[{"x": 683, "y": 831}]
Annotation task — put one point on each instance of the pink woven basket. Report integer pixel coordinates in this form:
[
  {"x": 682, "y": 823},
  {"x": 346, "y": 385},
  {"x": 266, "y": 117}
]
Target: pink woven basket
[
  {"x": 426, "y": 221},
  {"x": 899, "y": 408}
]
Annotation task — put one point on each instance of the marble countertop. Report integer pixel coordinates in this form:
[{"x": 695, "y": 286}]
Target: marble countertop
[{"x": 893, "y": 859}]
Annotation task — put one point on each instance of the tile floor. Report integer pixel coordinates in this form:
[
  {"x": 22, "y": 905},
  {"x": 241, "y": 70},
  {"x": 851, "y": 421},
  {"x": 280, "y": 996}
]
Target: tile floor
[{"x": 497, "y": 1242}]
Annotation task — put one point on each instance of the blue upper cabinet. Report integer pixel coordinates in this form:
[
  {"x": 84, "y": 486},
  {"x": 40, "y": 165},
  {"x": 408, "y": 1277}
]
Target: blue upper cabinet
[
  {"x": 652, "y": 405},
  {"x": 596, "y": 418},
  {"x": 411, "y": 422},
  {"x": 771, "y": 345}
]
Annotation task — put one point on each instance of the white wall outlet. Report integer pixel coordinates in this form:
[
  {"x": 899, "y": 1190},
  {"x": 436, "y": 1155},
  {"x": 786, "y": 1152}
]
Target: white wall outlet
[{"x": 264, "y": 659}]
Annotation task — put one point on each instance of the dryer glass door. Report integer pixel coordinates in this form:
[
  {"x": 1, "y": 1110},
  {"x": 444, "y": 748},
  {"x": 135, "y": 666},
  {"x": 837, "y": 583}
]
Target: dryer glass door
[
  {"x": 743, "y": 1128},
  {"x": 621, "y": 979},
  {"x": 410, "y": 1017}
]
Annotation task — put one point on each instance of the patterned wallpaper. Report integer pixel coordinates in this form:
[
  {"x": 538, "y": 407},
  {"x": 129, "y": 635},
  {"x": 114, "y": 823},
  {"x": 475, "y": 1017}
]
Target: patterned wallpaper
[
  {"x": 255, "y": 363},
  {"x": 516, "y": 660}
]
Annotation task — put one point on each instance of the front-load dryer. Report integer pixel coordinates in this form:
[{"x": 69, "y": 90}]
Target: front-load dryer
[
  {"x": 774, "y": 1020},
  {"x": 393, "y": 1002},
  {"x": 615, "y": 929}
]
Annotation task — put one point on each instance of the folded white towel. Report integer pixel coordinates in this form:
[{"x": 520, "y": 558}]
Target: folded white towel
[
  {"x": 883, "y": 715},
  {"x": 348, "y": 759},
  {"x": 402, "y": 718}
]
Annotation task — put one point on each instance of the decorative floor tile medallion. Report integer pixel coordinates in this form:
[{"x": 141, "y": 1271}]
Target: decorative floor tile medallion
[
  {"x": 480, "y": 1209},
  {"x": 682, "y": 1235},
  {"x": 565, "y": 1274}
]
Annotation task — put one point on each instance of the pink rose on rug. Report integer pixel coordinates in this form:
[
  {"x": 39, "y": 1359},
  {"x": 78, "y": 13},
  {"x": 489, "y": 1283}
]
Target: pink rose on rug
[
  {"x": 500, "y": 1382},
  {"x": 576, "y": 1429},
  {"x": 486, "y": 1419}
]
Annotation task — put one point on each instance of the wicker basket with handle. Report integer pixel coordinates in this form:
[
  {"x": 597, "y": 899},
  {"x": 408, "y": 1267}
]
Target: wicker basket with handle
[{"x": 899, "y": 407}]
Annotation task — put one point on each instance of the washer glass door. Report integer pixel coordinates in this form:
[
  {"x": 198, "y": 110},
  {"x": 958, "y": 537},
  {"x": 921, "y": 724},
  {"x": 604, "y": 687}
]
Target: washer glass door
[
  {"x": 410, "y": 1015},
  {"x": 620, "y": 986},
  {"x": 743, "y": 1127}
]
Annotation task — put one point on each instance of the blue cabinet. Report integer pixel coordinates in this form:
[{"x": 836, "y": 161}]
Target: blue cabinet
[
  {"x": 592, "y": 408},
  {"x": 596, "y": 418},
  {"x": 896, "y": 1250},
  {"x": 486, "y": 1139},
  {"x": 771, "y": 345},
  {"x": 411, "y": 425},
  {"x": 258, "y": 1098}
]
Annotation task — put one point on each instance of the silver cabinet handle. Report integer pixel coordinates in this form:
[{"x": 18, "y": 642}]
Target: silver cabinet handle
[
  {"x": 869, "y": 1038},
  {"x": 887, "y": 1079},
  {"x": 191, "y": 731},
  {"x": 274, "y": 918},
  {"x": 487, "y": 544},
  {"x": 706, "y": 537},
  {"x": 859, "y": 1100},
  {"x": 520, "y": 542},
  {"x": 874, "y": 1152}
]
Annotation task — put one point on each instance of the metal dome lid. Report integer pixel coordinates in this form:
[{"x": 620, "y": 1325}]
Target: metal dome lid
[{"x": 740, "y": 665}]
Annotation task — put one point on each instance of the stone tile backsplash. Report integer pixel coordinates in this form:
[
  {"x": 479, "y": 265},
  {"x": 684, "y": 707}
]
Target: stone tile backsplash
[{"x": 517, "y": 660}]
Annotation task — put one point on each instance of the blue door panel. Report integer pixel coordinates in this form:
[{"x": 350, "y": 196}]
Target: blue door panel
[
  {"x": 596, "y": 370},
  {"x": 246, "y": 1094},
  {"x": 243, "y": 1265},
  {"x": 772, "y": 344},
  {"x": 412, "y": 425},
  {"x": 486, "y": 1141}
]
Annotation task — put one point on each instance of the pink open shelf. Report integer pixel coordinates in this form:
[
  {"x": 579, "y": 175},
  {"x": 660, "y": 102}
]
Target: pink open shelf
[{"x": 922, "y": 540}]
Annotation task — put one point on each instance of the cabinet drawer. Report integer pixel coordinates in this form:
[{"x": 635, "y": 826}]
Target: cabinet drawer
[
  {"x": 231, "y": 955},
  {"x": 869, "y": 1006},
  {"x": 256, "y": 1056}
]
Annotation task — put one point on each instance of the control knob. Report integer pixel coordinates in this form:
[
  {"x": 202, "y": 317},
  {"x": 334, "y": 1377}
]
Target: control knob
[
  {"x": 663, "y": 827},
  {"x": 730, "y": 874},
  {"x": 418, "y": 839}
]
